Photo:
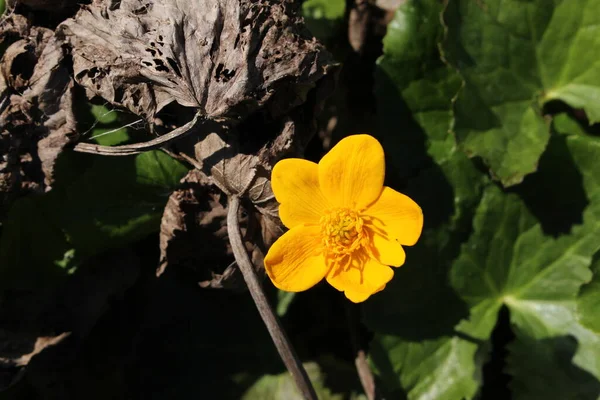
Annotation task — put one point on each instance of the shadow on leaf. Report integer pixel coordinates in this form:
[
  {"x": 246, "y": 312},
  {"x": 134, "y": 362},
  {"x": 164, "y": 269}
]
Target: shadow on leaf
[
  {"x": 546, "y": 370},
  {"x": 555, "y": 194}
]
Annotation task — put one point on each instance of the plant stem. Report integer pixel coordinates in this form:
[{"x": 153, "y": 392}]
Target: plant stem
[
  {"x": 360, "y": 361},
  {"x": 282, "y": 343},
  {"x": 137, "y": 148}
]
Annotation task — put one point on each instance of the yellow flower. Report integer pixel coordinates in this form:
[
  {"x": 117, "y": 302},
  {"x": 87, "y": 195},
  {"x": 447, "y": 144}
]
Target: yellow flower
[{"x": 344, "y": 224}]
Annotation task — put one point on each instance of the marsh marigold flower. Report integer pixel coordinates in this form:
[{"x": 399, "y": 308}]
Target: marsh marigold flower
[{"x": 344, "y": 225}]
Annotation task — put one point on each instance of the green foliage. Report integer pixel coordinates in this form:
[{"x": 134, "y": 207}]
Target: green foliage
[
  {"x": 323, "y": 17},
  {"x": 589, "y": 300},
  {"x": 318, "y": 9},
  {"x": 284, "y": 299},
  {"x": 282, "y": 386},
  {"x": 477, "y": 87},
  {"x": 516, "y": 56},
  {"x": 488, "y": 112},
  {"x": 97, "y": 203}
]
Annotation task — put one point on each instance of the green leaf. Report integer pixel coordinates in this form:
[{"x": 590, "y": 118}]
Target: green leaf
[
  {"x": 323, "y": 17},
  {"x": 427, "y": 369},
  {"x": 516, "y": 56},
  {"x": 103, "y": 115},
  {"x": 109, "y": 126},
  {"x": 477, "y": 254},
  {"x": 588, "y": 302},
  {"x": 415, "y": 349},
  {"x": 117, "y": 200},
  {"x": 414, "y": 89},
  {"x": 284, "y": 299},
  {"x": 282, "y": 386},
  {"x": 333, "y": 9},
  {"x": 559, "y": 377},
  {"x": 97, "y": 203},
  {"x": 29, "y": 245},
  {"x": 510, "y": 261},
  {"x": 565, "y": 125}
]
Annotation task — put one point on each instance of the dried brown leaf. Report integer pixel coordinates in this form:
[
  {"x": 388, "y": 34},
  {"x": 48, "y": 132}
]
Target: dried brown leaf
[
  {"x": 194, "y": 236},
  {"x": 18, "y": 349},
  {"x": 230, "y": 169},
  {"x": 36, "y": 107},
  {"x": 248, "y": 68},
  {"x": 13, "y": 26},
  {"x": 226, "y": 58},
  {"x": 35, "y": 103}
]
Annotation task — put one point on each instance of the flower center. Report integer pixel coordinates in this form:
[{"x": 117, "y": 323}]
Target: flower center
[{"x": 342, "y": 232}]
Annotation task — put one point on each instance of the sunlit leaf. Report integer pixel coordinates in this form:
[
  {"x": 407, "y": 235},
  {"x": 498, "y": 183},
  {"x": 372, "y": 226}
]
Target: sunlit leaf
[{"x": 515, "y": 57}]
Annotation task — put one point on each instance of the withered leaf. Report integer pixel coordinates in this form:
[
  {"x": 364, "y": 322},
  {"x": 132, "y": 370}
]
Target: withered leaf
[
  {"x": 36, "y": 109},
  {"x": 18, "y": 349},
  {"x": 194, "y": 236},
  {"x": 224, "y": 57},
  {"x": 231, "y": 170},
  {"x": 249, "y": 68}
]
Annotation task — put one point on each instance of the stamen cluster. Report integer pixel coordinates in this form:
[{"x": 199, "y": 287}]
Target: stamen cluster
[{"x": 343, "y": 233}]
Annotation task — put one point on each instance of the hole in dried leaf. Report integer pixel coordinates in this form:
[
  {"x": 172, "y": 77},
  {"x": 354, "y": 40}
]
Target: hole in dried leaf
[
  {"x": 160, "y": 65},
  {"x": 142, "y": 10},
  {"x": 114, "y": 5},
  {"x": 223, "y": 74},
  {"x": 23, "y": 64},
  {"x": 174, "y": 66}
]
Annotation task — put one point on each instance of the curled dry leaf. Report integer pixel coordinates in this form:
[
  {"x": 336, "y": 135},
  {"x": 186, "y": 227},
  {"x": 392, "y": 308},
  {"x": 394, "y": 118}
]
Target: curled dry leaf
[
  {"x": 249, "y": 68},
  {"x": 18, "y": 349},
  {"x": 233, "y": 162},
  {"x": 225, "y": 58},
  {"x": 36, "y": 108},
  {"x": 193, "y": 234}
]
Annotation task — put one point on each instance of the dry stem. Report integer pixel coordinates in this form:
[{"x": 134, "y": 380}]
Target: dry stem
[
  {"x": 360, "y": 361},
  {"x": 282, "y": 342},
  {"x": 130, "y": 149}
]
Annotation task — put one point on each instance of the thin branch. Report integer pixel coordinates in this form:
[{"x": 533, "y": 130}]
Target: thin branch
[
  {"x": 365, "y": 375},
  {"x": 360, "y": 361},
  {"x": 282, "y": 343},
  {"x": 136, "y": 148},
  {"x": 184, "y": 158}
]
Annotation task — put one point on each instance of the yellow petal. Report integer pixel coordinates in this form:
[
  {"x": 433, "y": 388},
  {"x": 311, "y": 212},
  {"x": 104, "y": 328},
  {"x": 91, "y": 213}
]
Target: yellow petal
[
  {"x": 388, "y": 251},
  {"x": 351, "y": 174},
  {"x": 295, "y": 183},
  {"x": 294, "y": 262},
  {"x": 357, "y": 297},
  {"x": 397, "y": 216},
  {"x": 359, "y": 284}
]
